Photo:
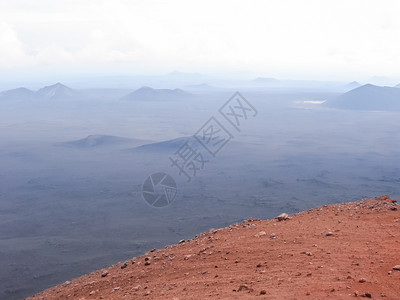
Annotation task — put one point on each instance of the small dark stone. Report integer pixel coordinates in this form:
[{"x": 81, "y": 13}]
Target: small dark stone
[
  {"x": 124, "y": 266},
  {"x": 104, "y": 274},
  {"x": 243, "y": 287}
]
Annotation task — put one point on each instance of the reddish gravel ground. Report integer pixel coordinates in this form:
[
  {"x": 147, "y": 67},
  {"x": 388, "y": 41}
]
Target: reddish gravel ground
[{"x": 337, "y": 251}]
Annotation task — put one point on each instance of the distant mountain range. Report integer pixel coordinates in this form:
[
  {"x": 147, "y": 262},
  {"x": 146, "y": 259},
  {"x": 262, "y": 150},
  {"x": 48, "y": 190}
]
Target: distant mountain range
[
  {"x": 368, "y": 97},
  {"x": 265, "y": 80},
  {"x": 148, "y": 93},
  {"x": 204, "y": 87},
  {"x": 274, "y": 83},
  {"x": 57, "y": 91}
]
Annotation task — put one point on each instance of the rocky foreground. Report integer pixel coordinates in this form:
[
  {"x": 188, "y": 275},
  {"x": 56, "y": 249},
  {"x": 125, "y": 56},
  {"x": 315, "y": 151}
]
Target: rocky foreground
[{"x": 337, "y": 251}]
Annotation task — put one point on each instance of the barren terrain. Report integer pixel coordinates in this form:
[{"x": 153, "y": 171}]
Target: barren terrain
[{"x": 337, "y": 251}]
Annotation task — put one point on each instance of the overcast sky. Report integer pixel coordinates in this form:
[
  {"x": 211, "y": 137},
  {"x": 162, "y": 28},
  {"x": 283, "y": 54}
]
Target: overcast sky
[{"x": 349, "y": 39}]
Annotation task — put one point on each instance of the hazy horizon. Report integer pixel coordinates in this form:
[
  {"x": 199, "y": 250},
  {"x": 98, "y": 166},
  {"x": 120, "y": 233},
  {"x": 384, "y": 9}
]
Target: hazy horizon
[{"x": 335, "y": 41}]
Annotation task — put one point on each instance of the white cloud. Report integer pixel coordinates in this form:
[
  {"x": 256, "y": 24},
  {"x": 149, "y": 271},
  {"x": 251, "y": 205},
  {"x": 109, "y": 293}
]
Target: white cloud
[
  {"x": 276, "y": 37},
  {"x": 11, "y": 48}
]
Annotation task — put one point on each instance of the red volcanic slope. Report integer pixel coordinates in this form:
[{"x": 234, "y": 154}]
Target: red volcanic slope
[{"x": 337, "y": 251}]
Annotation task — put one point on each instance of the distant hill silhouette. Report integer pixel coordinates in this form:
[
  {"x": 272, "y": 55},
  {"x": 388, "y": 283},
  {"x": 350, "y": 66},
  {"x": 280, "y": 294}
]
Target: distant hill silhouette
[
  {"x": 265, "y": 80},
  {"x": 169, "y": 145},
  {"x": 18, "y": 94},
  {"x": 57, "y": 91},
  {"x": 148, "y": 93},
  {"x": 98, "y": 140},
  {"x": 352, "y": 85},
  {"x": 368, "y": 97}
]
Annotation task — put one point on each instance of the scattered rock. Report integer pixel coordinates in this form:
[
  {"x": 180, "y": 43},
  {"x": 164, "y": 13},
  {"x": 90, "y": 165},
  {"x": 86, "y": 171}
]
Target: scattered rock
[
  {"x": 329, "y": 233},
  {"x": 263, "y": 292},
  {"x": 362, "y": 280},
  {"x": 282, "y": 217},
  {"x": 261, "y": 233},
  {"x": 104, "y": 274},
  {"x": 396, "y": 268},
  {"x": 124, "y": 266},
  {"x": 272, "y": 235},
  {"x": 366, "y": 295},
  {"x": 243, "y": 287},
  {"x": 138, "y": 287}
]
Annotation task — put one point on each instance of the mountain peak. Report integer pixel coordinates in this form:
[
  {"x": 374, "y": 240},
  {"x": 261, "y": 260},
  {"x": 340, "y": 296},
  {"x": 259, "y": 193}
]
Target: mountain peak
[
  {"x": 56, "y": 91},
  {"x": 368, "y": 97}
]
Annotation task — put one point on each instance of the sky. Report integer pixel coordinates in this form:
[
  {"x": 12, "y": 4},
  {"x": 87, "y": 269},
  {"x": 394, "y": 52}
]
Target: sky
[{"x": 328, "y": 40}]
